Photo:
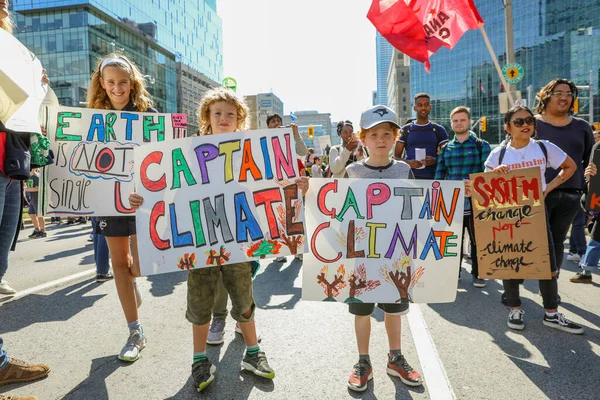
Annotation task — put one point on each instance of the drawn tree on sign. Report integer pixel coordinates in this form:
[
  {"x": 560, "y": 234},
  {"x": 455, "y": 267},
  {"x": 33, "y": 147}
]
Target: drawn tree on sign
[
  {"x": 292, "y": 242},
  {"x": 188, "y": 261},
  {"x": 359, "y": 234},
  {"x": 219, "y": 258},
  {"x": 400, "y": 275},
  {"x": 332, "y": 290},
  {"x": 359, "y": 283},
  {"x": 262, "y": 248}
]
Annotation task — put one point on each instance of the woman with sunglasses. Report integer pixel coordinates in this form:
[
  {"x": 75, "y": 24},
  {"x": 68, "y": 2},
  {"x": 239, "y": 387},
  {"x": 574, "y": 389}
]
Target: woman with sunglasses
[
  {"x": 521, "y": 151},
  {"x": 574, "y": 136}
]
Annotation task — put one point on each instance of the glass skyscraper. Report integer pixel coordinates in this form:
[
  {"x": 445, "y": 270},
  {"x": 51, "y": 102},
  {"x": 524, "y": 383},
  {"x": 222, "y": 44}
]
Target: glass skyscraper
[
  {"x": 553, "y": 38},
  {"x": 69, "y": 35},
  {"x": 383, "y": 52}
]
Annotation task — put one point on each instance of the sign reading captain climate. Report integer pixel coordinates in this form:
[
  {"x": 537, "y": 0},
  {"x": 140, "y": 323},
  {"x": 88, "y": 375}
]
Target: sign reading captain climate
[
  {"x": 218, "y": 199},
  {"x": 92, "y": 172}
]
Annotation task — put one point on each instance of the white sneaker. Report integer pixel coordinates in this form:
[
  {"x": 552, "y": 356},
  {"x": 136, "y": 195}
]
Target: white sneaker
[
  {"x": 6, "y": 289},
  {"x": 135, "y": 343},
  {"x": 515, "y": 320},
  {"x": 573, "y": 257},
  {"x": 238, "y": 330},
  {"x": 216, "y": 332}
]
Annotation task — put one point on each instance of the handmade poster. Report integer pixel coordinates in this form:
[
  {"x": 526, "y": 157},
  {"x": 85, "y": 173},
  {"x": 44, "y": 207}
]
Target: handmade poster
[
  {"x": 92, "y": 173},
  {"x": 387, "y": 241},
  {"x": 21, "y": 88},
  {"x": 592, "y": 202},
  {"x": 510, "y": 225},
  {"x": 218, "y": 199}
]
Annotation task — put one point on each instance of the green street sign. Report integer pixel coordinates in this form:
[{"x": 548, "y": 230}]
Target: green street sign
[
  {"x": 229, "y": 83},
  {"x": 513, "y": 73}
]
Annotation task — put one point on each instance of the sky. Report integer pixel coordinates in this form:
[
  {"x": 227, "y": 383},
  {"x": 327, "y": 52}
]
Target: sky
[{"x": 312, "y": 54}]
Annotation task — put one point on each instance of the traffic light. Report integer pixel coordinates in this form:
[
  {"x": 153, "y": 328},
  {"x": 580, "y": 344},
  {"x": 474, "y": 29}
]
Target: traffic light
[
  {"x": 311, "y": 132},
  {"x": 483, "y": 124},
  {"x": 576, "y": 106}
]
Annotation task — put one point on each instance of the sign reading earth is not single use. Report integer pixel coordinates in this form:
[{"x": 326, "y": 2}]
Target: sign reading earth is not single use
[{"x": 513, "y": 73}]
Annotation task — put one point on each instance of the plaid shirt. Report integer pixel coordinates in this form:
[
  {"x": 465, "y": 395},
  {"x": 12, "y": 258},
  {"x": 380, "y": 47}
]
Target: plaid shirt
[{"x": 457, "y": 160}]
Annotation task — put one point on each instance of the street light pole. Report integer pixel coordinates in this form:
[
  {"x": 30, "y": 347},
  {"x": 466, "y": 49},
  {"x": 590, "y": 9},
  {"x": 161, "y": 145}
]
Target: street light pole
[{"x": 510, "y": 42}]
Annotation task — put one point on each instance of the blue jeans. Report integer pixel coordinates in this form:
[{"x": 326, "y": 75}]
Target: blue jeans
[
  {"x": 10, "y": 202},
  {"x": 101, "y": 255},
  {"x": 577, "y": 238},
  {"x": 4, "y": 358},
  {"x": 589, "y": 262}
]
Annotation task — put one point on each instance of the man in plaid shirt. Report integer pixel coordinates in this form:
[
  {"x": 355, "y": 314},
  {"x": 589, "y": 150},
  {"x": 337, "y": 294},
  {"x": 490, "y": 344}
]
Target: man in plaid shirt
[{"x": 464, "y": 155}]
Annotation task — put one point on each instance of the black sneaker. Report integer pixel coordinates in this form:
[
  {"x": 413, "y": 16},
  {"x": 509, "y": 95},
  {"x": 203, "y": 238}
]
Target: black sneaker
[
  {"x": 104, "y": 277},
  {"x": 504, "y": 299},
  {"x": 42, "y": 234},
  {"x": 258, "y": 364},
  {"x": 559, "y": 321},
  {"x": 203, "y": 373},
  {"x": 34, "y": 233},
  {"x": 515, "y": 320},
  {"x": 581, "y": 277},
  {"x": 362, "y": 373}
]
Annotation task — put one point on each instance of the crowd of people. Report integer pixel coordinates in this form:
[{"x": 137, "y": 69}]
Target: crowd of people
[{"x": 380, "y": 148}]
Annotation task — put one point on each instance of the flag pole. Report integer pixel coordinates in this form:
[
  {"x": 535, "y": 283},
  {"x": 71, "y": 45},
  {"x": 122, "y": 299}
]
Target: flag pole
[{"x": 495, "y": 60}]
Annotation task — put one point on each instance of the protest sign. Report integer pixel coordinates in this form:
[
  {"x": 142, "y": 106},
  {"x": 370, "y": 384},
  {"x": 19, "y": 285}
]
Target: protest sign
[
  {"x": 93, "y": 170},
  {"x": 21, "y": 88},
  {"x": 218, "y": 199},
  {"x": 592, "y": 197},
  {"x": 385, "y": 241},
  {"x": 510, "y": 225}
]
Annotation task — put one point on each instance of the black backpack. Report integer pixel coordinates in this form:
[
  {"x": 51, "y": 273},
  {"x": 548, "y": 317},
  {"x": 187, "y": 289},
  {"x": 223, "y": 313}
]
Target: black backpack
[{"x": 504, "y": 145}]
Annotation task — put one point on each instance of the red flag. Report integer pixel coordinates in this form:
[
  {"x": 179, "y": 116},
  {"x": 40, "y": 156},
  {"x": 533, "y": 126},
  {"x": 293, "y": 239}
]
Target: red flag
[
  {"x": 481, "y": 86},
  {"x": 418, "y": 28}
]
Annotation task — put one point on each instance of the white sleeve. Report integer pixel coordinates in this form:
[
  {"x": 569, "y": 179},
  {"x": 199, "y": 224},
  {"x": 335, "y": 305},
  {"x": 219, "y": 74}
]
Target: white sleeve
[
  {"x": 337, "y": 162},
  {"x": 555, "y": 155},
  {"x": 492, "y": 160}
]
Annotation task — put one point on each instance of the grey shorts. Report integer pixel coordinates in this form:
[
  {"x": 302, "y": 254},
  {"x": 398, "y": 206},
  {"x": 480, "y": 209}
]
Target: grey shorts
[{"x": 202, "y": 286}]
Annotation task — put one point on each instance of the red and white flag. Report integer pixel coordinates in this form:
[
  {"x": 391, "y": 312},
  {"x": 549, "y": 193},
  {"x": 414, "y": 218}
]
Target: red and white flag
[{"x": 418, "y": 28}]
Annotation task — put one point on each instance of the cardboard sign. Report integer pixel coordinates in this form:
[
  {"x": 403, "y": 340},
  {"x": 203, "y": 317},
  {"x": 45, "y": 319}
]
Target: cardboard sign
[
  {"x": 218, "y": 199},
  {"x": 382, "y": 241},
  {"x": 93, "y": 170},
  {"x": 592, "y": 199},
  {"x": 510, "y": 225}
]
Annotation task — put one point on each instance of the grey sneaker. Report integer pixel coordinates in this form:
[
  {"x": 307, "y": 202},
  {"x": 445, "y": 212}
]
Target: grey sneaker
[
  {"x": 258, "y": 364},
  {"x": 138, "y": 295},
  {"x": 478, "y": 282},
  {"x": 6, "y": 289},
  {"x": 515, "y": 320},
  {"x": 216, "y": 332},
  {"x": 135, "y": 344},
  {"x": 203, "y": 374}
]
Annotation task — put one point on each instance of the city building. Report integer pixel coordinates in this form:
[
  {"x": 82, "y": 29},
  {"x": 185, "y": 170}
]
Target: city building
[
  {"x": 383, "y": 54},
  {"x": 261, "y": 106},
  {"x": 552, "y": 39},
  {"x": 191, "y": 87},
  {"x": 398, "y": 89},
  {"x": 321, "y": 122},
  {"x": 374, "y": 100},
  {"x": 68, "y": 36}
]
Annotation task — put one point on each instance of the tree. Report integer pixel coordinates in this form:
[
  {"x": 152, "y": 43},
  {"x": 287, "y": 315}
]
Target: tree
[
  {"x": 217, "y": 259},
  {"x": 359, "y": 283},
  {"x": 188, "y": 261},
  {"x": 400, "y": 276},
  {"x": 332, "y": 290},
  {"x": 292, "y": 242}
]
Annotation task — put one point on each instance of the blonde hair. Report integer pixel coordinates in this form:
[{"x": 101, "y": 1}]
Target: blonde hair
[
  {"x": 221, "y": 94},
  {"x": 139, "y": 96},
  {"x": 362, "y": 134},
  {"x": 461, "y": 109},
  {"x": 7, "y": 24}
]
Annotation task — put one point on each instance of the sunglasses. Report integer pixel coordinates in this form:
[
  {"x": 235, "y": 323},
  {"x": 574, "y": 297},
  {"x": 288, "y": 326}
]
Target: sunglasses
[{"x": 518, "y": 122}]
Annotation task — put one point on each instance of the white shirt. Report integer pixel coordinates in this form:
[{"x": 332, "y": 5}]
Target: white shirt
[
  {"x": 528, "y": 156},
  {"x": 316, "y": 171}
]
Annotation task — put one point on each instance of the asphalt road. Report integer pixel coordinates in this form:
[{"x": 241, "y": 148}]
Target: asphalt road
[{"x": 464, "y": 349}]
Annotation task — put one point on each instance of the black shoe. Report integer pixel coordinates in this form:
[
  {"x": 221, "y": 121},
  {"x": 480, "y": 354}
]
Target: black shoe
[
  {"x": 515, "y": 320},
  {"x": 104, "y": 277},
  {"x": 42, "y": 234},
  {"x": 203, "y": 373},
  {"x": 558, "y": 321},
  {"x": 35, "y": 233},
  {"x": 504, "y": 299}
]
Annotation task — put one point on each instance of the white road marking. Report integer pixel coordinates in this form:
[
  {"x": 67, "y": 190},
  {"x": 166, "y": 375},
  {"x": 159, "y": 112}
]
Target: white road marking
[
  {"x": 434, "y": 373},
  {"x": 47, "y": 285}
]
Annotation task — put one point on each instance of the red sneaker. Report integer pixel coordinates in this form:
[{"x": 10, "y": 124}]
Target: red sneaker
[
  {"x": 400, "y": 368},
  {"x": 362, "y": 372}
]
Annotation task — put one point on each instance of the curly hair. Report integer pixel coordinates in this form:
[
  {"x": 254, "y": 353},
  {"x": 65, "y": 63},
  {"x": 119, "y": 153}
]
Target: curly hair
[
  {"x": 221, "y": 94},
  {"x": 543, "y": 96},
  {"x": 139, "y": 96},
  {"x": 7, "y": 24}
]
